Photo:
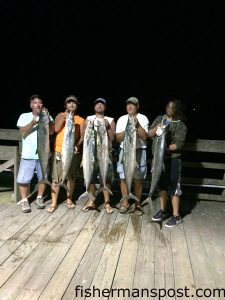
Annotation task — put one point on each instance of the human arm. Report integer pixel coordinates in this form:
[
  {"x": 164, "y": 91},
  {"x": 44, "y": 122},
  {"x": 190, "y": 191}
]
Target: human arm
[{"x": 111, "y": 128}]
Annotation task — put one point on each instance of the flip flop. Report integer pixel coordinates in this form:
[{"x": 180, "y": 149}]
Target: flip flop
[
  {"x": 51, "y": 209},
  {"x": 124, "y": 209},
  {"x": 86, "y": 208},
  {"x": 138, "y": 210}
]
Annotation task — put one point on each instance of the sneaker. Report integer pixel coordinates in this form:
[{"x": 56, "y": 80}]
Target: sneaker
[
  {"x": 160, "y": 216},
  {"x": 25, "y": 205},
  {"x": 173, "y": 221},
  {"x": 40, "y": 203}
]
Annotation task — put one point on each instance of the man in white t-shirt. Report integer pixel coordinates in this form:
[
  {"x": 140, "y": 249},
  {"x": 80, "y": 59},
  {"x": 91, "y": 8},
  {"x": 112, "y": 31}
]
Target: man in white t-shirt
[
  {"x": 100, "y": 108},
  {"x": 29, "y": 163},
  {"x": 142, "y": 124}
]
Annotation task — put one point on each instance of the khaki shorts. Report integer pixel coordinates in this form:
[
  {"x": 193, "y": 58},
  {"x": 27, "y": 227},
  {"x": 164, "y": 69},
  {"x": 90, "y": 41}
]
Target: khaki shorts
[{"x": 57, "y": 168}]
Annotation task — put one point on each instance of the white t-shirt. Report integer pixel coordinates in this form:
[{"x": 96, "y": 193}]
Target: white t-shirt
[
  {"x": 95, "y": 119},
  {"x": 29, "y": 142},
  {"x": 144, "y": 122}
]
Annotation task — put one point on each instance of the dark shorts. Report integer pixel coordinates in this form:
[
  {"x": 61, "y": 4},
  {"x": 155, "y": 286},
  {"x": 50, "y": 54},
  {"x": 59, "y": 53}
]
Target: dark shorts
[
  {"x": 57, "y": 168},
  {"x": 171, "y": 178}
]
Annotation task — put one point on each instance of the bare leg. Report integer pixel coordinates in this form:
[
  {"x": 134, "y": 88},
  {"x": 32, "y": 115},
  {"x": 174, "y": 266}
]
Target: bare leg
[
  {"x": 176, "y": 205},
  {"x": 123, "y": 189},
  {"x": 107, "y": 205},
  {"x": 23, "y": 190},
  {"x": 163, "y": 199},
  {"x": 54, "y": 195},
  {"x": 41, "y": 189},
  {"x": 71, "y": 187}
]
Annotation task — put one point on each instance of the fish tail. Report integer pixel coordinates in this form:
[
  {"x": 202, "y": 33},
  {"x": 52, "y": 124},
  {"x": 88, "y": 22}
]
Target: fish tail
[
  {"x": 146, "y": 201},
  {"x": 84, "y": 195},
  {"x": 104, "y": 188},
  {"x": 44, "y": 181},
  {"x": 131, "y": 196},
  {"x": 62, "y": 184}
]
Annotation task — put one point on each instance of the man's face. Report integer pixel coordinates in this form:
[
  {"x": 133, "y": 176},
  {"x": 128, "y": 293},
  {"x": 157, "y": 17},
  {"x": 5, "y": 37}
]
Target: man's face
[
  {"x": 132, "y": 109},
  {"x": 71, "y": 106},
  {"x": 99, "y": 107},
  {"x": 36, "y": 106}
]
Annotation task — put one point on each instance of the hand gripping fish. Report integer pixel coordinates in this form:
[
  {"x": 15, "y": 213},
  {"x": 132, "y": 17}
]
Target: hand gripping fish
[
  {"x": 158, "y": 161},
  {"x": 89, "y": 156},
  {"x": 129, "y": 156},
  {"x": 102, "y": 154},
  {"x": 67, "y": 148}
]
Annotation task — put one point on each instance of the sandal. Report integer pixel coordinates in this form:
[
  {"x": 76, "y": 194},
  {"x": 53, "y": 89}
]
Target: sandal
[
  {"x": 108, "y": 208},
  {"x": 138, "y": 210},
  {"x": 88, "y": 206},
  {"x": 70, "y": 203},
  {"x": 51, "y": 209},
  {"x": 124, "y": 209}
]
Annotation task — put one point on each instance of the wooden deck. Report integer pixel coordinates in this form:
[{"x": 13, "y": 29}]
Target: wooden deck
[{"x": 46, "y": 256}]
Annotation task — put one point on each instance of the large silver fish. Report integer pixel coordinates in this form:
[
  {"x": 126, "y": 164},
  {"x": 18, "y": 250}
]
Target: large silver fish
[
  {"x": 157, "y": 162},
  {"x": 89, "y": 157},
  {"x": 67, "y": 148},
  {"x": 129, "y": 156},
  {"x": 43, "y": 144},
  {"x": 102, "y": 154}
]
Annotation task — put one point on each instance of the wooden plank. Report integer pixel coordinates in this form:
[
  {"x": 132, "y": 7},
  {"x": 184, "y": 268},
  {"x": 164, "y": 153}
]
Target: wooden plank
[
  {"x": 92, "y": 257},
  {"x": 199, "y": 260},
  {"x": 202, "y": 196},
  {"x": 10, "y": 134},
  {"x": 7, "y": 152},
  {"x": 205, "y": 165},
  {"x": 199, "y": 145},
  {"x": 183, "y": 274},
  {"x": 204, "y": 181},
  {"x": 44, "y": 272},
  {"x": 210, "y": 221},
  {"x": 6, "y": 165},
  {"x": 72, "y": 259},
  {"x": 124, "y": 274},
  {"x": 107, "y": 266},
  {"x": 145, "y": 263},
  {"x": 19, "y": 256}
]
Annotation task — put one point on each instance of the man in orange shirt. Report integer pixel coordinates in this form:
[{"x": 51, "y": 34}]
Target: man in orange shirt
[{"x": 71, "y": 105}]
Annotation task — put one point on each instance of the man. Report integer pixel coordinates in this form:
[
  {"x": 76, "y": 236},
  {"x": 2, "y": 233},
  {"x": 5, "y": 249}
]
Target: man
[
  {"x": 142, "y": 123},
  {"x": 170, "y": 181},
  {"x": 28, "y": 126},
  {"x": 99, "y": 116},
  {"x": 71, "y": 105}
]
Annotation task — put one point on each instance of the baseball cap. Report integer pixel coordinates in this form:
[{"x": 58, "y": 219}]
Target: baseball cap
[
  {"x": 72, "y": 98},
  {"x": 133, "y": 100},
  {"x": 101, "y": 100}
]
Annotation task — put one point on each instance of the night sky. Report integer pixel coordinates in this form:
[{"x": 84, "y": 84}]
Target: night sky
[{"x": 115, "y": 49}]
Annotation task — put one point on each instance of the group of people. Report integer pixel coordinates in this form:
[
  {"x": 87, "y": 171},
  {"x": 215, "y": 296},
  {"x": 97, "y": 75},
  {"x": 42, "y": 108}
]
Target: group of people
[{"x": 170, "y": 179}]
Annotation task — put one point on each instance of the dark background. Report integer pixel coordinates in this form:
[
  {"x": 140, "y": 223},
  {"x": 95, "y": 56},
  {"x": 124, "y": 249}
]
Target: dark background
[{"x": 115, "y": 49}]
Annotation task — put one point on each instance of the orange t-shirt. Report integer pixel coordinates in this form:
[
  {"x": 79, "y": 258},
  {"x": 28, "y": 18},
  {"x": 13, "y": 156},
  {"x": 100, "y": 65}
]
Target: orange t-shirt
[{"x": 59, "y": 136}]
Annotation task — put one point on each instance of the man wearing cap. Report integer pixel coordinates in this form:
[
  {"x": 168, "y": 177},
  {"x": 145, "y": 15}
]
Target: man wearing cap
[
  {"x": 29, "y": 163},
  {"x": 71, "y": 105},
  {"x": 100, "y": 106},
  {"x": 142, "y": 124}
]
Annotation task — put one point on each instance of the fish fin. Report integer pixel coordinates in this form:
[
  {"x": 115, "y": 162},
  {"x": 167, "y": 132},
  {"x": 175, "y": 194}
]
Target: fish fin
[{"x": 81, "y": 164}]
